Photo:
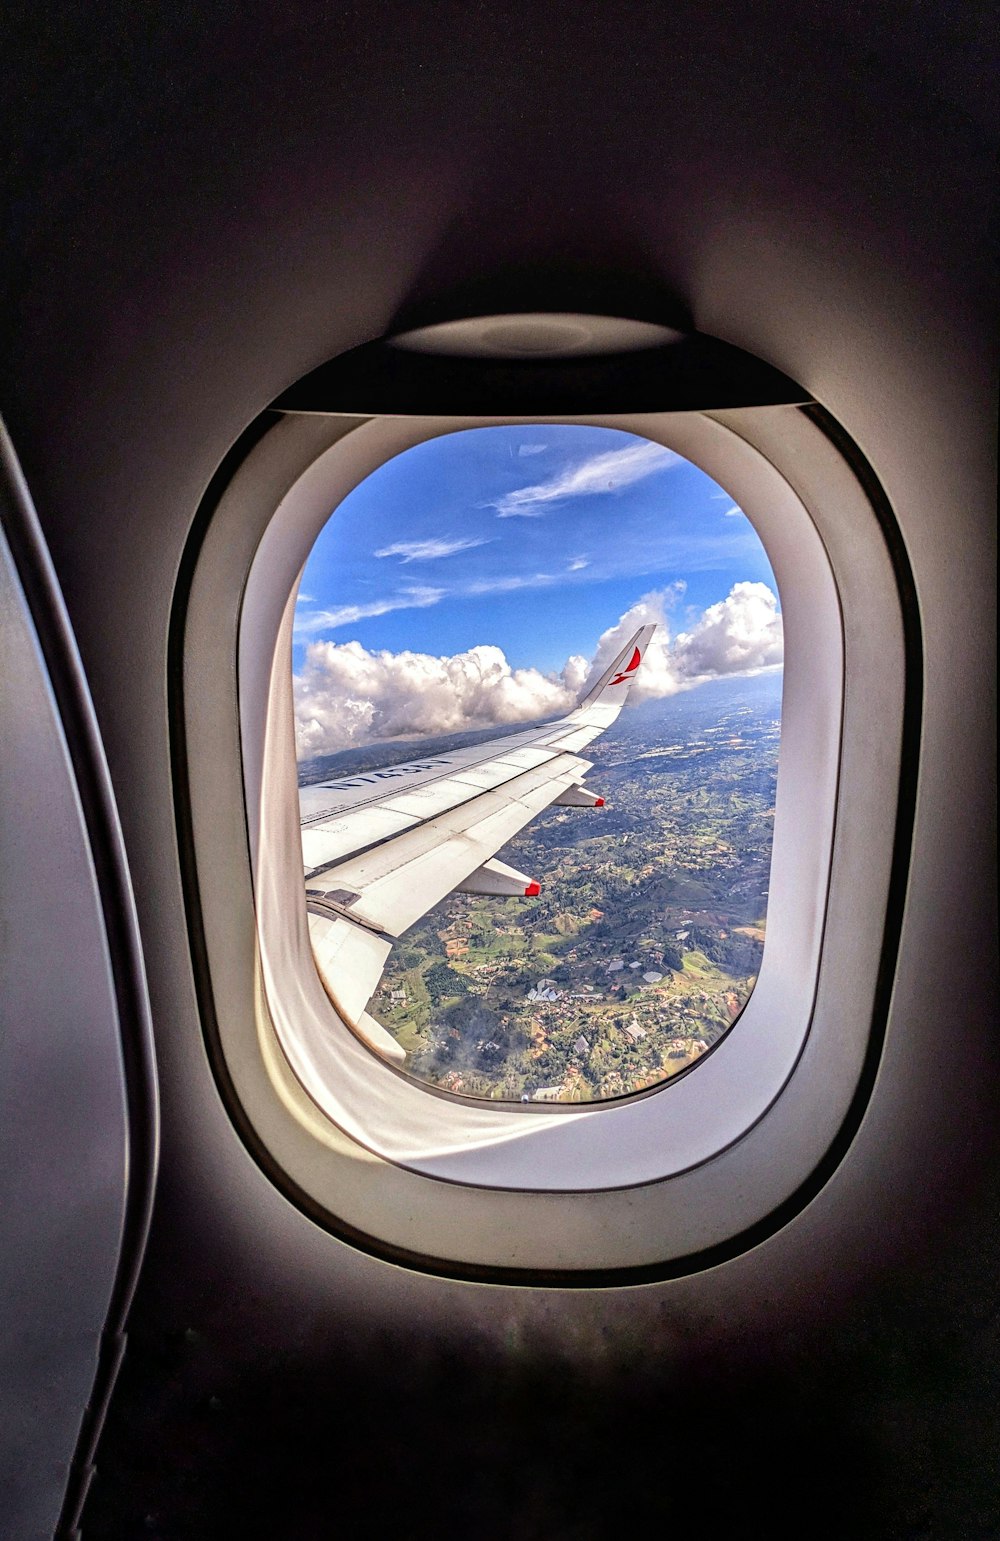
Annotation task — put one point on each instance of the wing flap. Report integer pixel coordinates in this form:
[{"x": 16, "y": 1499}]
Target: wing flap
[
  {"x": 485, "y": 777},
  {"x": 488, "y": 813},
  {"x": 323, "y": 844},
  {"x": 425, "y": 802},
  {"x": 400, "y": 881},
  {"x": 527, "y": 758},
  {"x": 350, "y": 960},
  {"x": 578, "y": 738}
]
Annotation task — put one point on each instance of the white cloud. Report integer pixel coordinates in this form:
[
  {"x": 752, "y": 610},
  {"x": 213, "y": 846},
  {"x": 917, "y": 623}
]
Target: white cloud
[
  {"x": 657, "y": 677},
  {"x": 740, "y": 635},
  {"x": 304, "y": 599},
  {"x": 346, "y": 695},
  {"x": 420, "y": 597},
  {"x": 428, "y": 550},
  {"x": 509, "y": 585},
  {"x": 733, "y": 510},
  {"x": 598, "y": 473},
  {"x": 531, "y": 449},
  {"x": 347, "y": 615}
]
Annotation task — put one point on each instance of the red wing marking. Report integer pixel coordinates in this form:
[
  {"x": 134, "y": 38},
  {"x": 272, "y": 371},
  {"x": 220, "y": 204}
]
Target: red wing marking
[{"x": 630, "y": 668}]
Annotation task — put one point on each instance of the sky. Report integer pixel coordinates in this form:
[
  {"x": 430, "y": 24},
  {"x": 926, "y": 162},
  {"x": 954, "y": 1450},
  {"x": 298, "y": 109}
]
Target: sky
[{"x": 480, "y": 576}]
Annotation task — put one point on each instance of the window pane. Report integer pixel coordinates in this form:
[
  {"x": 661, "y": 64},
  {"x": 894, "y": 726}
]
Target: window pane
[{"x": 469, "y": 588}]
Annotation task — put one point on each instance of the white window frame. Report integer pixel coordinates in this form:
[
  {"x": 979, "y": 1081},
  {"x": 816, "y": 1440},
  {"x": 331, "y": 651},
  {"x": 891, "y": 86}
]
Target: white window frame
[{"x": 601, "y": 1187}]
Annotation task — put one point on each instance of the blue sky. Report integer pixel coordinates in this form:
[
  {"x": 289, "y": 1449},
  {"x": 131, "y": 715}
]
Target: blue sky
[{"x": 534, "y": 538}]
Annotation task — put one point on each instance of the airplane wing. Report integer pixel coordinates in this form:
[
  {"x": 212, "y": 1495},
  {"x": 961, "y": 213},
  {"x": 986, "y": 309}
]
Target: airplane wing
[{"x": 382, "y": 848}]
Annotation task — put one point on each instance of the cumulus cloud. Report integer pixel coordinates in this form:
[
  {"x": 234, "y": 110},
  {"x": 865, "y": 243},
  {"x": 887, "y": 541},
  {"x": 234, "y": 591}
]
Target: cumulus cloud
[
  {"x": 428, "y": 550},
  {"x": 598, "y": 473},
  {"x": 740, "y": 635},
  {"x": 531, "y": 449},
  {"x": 347, "y": 695},
  {"x": 346, "y": 615},
  {"x": 657, "y": 677}
]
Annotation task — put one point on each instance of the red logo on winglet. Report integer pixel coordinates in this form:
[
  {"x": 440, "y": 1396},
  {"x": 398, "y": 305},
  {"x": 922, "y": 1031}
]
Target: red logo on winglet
[{"x": 632, "y": 665}]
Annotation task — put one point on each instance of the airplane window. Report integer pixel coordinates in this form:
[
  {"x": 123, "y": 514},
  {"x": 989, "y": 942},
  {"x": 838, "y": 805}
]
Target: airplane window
[
  {"x": 537, "y": 676},
  {"x": 478, "y": 630}
]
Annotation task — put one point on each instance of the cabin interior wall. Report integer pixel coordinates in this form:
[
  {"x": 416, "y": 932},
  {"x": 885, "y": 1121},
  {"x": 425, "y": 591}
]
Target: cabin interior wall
[{"x": 206, "y": 203}]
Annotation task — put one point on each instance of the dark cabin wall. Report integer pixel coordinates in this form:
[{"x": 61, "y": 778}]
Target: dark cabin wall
[{"x": 206, "y": 202}]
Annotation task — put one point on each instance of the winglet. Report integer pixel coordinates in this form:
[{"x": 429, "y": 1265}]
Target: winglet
[{"x": 613, "y": 685}]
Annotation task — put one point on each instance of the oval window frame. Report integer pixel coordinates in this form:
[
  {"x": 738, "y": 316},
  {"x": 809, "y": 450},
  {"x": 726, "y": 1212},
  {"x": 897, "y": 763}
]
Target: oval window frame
[{"x": 448, "y": 1209}]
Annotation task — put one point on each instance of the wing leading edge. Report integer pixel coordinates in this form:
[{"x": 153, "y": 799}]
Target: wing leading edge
[{"x": 382, "y": 848}]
